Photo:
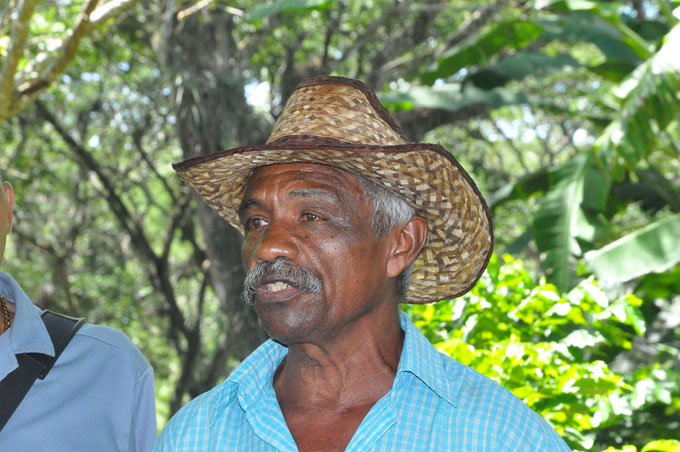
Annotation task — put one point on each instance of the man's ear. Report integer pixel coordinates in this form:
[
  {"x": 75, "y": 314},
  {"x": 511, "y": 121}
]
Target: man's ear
[
  {"x": 9, "y": 194},
  {"x": 409, "y": 239}
]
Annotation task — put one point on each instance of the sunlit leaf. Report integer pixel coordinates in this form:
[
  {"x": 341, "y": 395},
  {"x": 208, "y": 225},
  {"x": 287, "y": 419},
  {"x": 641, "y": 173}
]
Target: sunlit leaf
[
  {"x": 483, "y": 48},
  {"x": 649, "y": 102},
  {"x": 583, "y": 26},
  {"x": 664, "y": 445},
  {"x": 557, "y": 221},
  {"x": 653, "y": 248}
]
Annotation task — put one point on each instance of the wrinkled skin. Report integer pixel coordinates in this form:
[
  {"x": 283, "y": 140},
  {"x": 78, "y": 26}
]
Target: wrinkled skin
[
  {"x": 344, "y": 340},
  {"x": 317, "y": 218}
]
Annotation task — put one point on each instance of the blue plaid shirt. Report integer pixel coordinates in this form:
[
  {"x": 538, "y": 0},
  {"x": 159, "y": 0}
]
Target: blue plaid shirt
[{"x": 436, "y": 404}]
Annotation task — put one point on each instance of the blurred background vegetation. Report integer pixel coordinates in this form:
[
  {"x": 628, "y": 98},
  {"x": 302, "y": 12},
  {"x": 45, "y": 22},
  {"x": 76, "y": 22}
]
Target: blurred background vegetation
[{"x": 565, "y": 112}]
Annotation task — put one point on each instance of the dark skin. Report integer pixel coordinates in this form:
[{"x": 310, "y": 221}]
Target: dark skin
[{"x": 344, "y": 343}]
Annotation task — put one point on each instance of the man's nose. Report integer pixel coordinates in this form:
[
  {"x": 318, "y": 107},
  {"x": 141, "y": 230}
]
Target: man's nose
[{"x": 277, "y": 241}]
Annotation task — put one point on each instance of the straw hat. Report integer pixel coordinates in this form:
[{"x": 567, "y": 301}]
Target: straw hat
[{"x": 339, "y": 122}]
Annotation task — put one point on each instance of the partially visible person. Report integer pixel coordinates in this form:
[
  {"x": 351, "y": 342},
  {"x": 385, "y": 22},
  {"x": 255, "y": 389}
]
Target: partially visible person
[{"x": 97, "y": 397}]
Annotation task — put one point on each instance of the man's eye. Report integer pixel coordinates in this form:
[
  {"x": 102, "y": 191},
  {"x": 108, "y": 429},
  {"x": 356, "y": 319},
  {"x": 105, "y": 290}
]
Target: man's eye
[
  {"x": 310, "y": 217},
  {"x": 255, "y": 223}
]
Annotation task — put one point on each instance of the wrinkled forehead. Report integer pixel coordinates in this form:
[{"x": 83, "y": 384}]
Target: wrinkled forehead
[{"x": 304, "y": 175}]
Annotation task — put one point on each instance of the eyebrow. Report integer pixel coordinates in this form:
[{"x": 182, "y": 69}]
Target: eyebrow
[
  {"x": 248, "y": 204},
  {"x": 299, "y": 193},
  {"x": 313, "y": 193}
]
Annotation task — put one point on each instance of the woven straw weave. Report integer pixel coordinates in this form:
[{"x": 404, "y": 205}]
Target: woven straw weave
[{"x": 366, "y": 141}]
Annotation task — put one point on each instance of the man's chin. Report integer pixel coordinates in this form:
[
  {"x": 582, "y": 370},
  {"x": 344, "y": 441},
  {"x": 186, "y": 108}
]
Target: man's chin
[{"x": 287, "y": 323}]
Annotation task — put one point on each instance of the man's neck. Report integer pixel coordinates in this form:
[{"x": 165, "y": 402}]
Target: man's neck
[
  {"x": 354, "y": 368},
  {"x": 332, "y": 386}
]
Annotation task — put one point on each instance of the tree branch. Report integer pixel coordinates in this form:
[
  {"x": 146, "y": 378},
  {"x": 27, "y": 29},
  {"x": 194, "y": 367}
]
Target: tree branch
[
  {"x": 331, "y": 29},
  {"x": 361, "y": 41},
  {"x": 28, "y": 91},
  {"x": 17, "y": 41},
  {"x": 477, "y": 20},
  {"x": 417, "y": 122},
  {"x": 159, "y": 278},
  {"x": 511, "y": 144}
]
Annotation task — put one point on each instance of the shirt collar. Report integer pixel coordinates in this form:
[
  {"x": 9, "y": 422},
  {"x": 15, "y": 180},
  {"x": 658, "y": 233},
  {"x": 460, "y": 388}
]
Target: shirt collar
[
  {"x": 257, "y": 371},
  {"x": 28, "y": 333},
  {"x": 418, "y": 358},
  {"x": 421, "y": 359}
]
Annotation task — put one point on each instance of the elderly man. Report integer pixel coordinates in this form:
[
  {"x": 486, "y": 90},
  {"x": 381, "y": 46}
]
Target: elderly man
[
  {"x": 342, "y": 221},
  {"x": 96, "y": 397}
]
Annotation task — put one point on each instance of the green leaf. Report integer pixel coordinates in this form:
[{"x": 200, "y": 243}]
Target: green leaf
[
  {"x": 614, "y": 70},
  {"x": 592, "y": 386},
  {"x": 520, "y": 66},
  {"x": 635, "y": 319},
  {"x": 610, "y": 37},
  {"x": 514, "y": 34},
  {"x": 559, "y": 218},
  {"x": 648, "y": 102},
  {"x": 451, "y": 97},
  {"x": 662, "y": 445},
  {"x": 522, "y": 189},
  {"x": 653, "y": 248},
  {"x": 263, "y": 11},
  {"x": 661, "y": 186},
  {"x": 598, "y": 187},
  {"x": 601, "y": 24}
]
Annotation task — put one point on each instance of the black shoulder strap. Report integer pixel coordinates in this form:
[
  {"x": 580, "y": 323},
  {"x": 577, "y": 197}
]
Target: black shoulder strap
[
  {"x": 61, "y": 329},
  {"x": 32, "y": 366}
]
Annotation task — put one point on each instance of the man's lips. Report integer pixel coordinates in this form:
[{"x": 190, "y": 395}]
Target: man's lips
[{"x": 276, "y": 291}]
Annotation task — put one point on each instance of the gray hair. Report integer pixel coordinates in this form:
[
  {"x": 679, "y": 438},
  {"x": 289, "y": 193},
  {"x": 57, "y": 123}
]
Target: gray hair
[{"x": 389, "y": 210}]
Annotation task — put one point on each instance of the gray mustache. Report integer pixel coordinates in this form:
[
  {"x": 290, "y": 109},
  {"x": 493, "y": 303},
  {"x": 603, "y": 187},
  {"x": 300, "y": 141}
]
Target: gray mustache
[{"x": 279, "y": 268}]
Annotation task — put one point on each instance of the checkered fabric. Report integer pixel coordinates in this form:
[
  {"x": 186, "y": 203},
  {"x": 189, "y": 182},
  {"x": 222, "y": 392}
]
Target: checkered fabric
[{"x": 436, "y": 404}]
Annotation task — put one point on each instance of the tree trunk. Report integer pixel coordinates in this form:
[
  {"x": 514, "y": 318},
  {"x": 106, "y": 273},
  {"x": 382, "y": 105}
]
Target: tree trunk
[{"x": 212, "y": 113}]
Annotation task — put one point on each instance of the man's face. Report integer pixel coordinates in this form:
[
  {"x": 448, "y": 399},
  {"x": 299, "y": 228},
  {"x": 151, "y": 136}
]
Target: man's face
[
  {"x": 6, "y": 204},
  {"x": 316, "y": 218}
]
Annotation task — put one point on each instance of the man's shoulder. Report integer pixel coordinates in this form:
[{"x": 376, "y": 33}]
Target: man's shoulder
[
  {"x": 224, "y": 404},
  {"x": 99, "y": 340},
  {"x": 109, "y": 337},
  {"x": 199, "y": 414},
  {"x": 490, "y": 406}
]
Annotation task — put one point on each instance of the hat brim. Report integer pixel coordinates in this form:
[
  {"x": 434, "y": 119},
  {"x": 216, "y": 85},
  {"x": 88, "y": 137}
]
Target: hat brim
[{"x": 460, "y": 235}]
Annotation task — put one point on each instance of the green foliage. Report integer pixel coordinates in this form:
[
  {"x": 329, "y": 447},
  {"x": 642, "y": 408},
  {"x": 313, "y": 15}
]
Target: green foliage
[
  {"x": 520, "y": 66},
  {"x": 475, "y": 52},
  {"x": 632, "y": 117},
  {"x": 262, "y": 11},
  {"x": 663, "y": 445},
  {"x": 552, "y": 349},
  {"x": 645, "y": 103},
  {"x": 451, "y": 97},
  {"x": 560, "y": 220},
  {"x": 653, "y": 248}
]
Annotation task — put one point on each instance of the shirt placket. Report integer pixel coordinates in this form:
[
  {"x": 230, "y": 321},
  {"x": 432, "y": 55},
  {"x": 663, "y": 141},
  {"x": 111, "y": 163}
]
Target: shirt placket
[
  {"x": 377, "y": 422},
  {"x": 266, "y": 419}
]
